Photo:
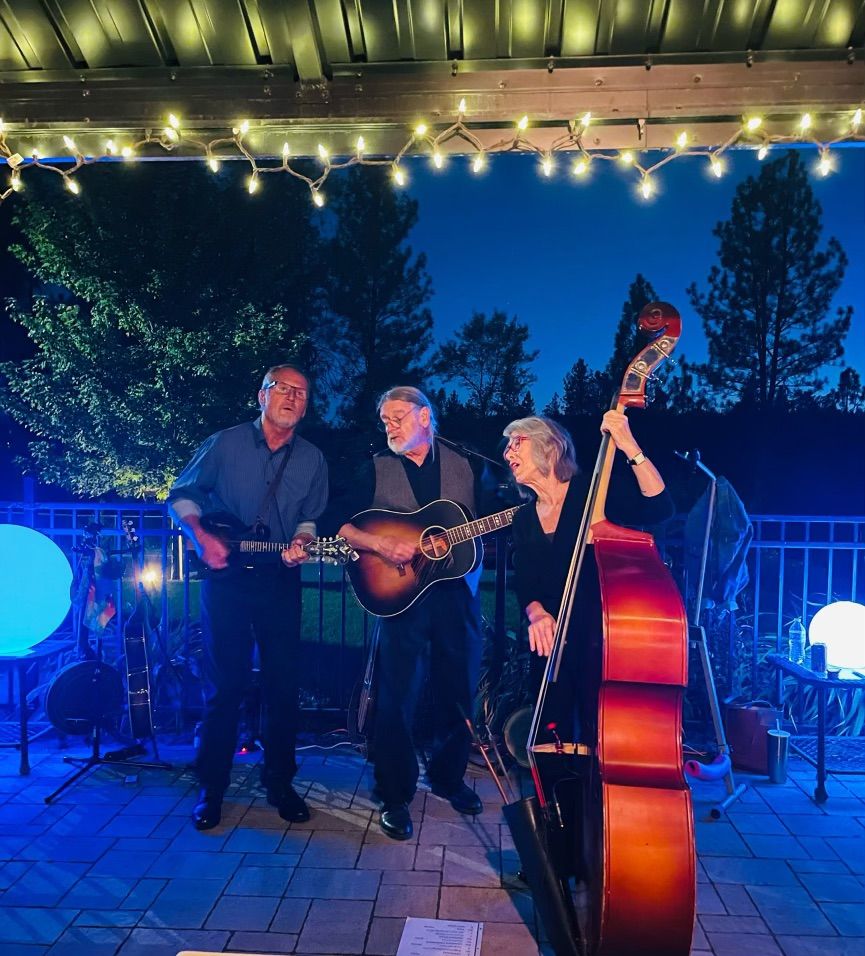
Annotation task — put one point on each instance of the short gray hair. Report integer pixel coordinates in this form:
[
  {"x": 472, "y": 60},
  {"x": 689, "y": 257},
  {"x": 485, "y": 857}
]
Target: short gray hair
[
  {"x": 412, "y": 395},
  {"x": 268, "y": 375},
  {"x": 552, "y": 446}
]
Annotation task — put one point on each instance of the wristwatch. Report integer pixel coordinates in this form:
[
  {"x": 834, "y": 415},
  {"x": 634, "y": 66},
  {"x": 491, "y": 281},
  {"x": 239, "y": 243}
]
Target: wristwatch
[{"x": 638, "y": 459}]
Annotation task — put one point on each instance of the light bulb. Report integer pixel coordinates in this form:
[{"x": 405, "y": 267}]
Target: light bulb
[
  {"x": 523, "y": 122},
  {"x": 585, "y": 120},
  {"x": 478, "y": 163},
  {"x": 421, "y": 129},
  {"x": 627, "y": 157},
  {"x": 755, "y": 122},
  {"x": 762, "y": 152},
  {"x": 824, "y": 167},
  {"x": 547, "y": 165},
  {"x": 461, "y": 108},
  {"x": 69, "y": 143},
  {"x": 213, "y": 163},
  {"x": 399, "y": 176},
  {"x": 72, "y": 186},
  {"x": 317, "y": 198},
  {"x": 173, "y": 121},
  {"x": 581, "y": 167},
  {"x": 286, "y": 150},
  {"x": 360, "y": 145},
  {"x": 717, "y": 168},
  {"x": 438, "y": 159},
  {"x": 682, "y": 140},
  {"x": 805, "y": 122},
  {"x": 322, "y": 152},
  {"x": 110, "y": 148},
  {"x": 252, "y": 184},
  {"x": 244, "y": 127},
  {"x": 127, "y": 152},
  {"x": 646, "y": 187},
  {"x": 855, "y": 122}
]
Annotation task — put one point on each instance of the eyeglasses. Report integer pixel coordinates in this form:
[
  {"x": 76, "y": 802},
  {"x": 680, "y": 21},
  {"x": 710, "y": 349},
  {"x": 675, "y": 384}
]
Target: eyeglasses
[
  {"x": 514, "y": 442},
  {"x": 393, "y": 420},
  {"x": 282, "y": 388}
]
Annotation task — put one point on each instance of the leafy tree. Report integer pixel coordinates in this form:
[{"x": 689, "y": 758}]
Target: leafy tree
[
  {"x": 765, "y": 314},
  {"x": 553, "y": 408},
  {"x": 377, "y": 292},
  {"x": 168, "y": 311},
  {"x": 488, "y": 358},
  {"x": 586, "y": 392}
]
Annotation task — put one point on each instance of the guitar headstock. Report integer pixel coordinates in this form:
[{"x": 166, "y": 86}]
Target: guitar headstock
[{"x": 331, "y": 550}]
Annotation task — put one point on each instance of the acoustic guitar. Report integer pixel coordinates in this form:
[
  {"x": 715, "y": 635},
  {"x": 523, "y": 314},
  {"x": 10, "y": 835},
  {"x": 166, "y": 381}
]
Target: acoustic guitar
[{"x": 444, "y": 535}]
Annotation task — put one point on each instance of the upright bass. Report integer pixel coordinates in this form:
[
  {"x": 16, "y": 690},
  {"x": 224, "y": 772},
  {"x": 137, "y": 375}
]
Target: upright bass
[{"x": 624, "y": 829}]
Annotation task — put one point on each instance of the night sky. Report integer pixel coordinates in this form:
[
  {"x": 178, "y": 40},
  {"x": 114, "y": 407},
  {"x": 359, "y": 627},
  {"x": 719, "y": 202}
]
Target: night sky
[{"x": 560, "y": 253}]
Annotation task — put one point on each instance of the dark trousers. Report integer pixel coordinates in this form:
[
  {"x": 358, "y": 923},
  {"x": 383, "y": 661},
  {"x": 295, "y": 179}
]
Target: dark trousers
[
  {"x": 447, "y": 623},
  {"x": 239, "y": 610}
]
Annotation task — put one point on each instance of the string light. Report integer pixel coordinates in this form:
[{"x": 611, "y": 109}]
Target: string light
[
  {"x": 422, "y": 140},
  {"x": 15, "y": 182}
]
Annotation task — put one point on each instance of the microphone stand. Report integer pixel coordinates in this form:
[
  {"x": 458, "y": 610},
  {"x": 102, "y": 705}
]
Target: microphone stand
[{"x": 697, "y": 639}]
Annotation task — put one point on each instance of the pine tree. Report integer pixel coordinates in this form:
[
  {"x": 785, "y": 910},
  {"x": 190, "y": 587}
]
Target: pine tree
[
  {"x": 553, "y": 408},
  {"x": 378, "y": 290},
  {"x": 765, "y": 313},
  {"x": 585, "y": 391}
]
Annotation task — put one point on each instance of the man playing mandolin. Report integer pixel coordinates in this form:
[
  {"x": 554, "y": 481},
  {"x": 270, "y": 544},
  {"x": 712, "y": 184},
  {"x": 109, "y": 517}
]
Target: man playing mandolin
[
  {"x": 416, "y": 470},
  {"x": 266, "y": 476}
]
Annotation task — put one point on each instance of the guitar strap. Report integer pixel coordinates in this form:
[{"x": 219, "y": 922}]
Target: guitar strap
[{"x": 264, "y": 506}]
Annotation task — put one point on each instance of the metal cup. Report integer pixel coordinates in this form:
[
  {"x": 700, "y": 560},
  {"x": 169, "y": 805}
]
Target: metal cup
[{"x": 777, "y": 747}]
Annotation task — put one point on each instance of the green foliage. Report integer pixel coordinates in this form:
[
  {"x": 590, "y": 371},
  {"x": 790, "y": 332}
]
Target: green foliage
[
  {"x": 173, "y": 310},
  {"x": 379, "y": 326},
  {"x": 488, "y": 358},
  {"x": 585, "y": 392},
  {"x": 765, "y": 314}
]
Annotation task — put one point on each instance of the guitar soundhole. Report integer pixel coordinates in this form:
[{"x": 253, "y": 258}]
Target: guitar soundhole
[{"x": 434, "y": 543}]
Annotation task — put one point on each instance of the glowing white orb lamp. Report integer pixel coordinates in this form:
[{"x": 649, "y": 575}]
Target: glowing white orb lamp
[
  {"x": 35, "y": 578},
  {"x": 841, "y": 627}
]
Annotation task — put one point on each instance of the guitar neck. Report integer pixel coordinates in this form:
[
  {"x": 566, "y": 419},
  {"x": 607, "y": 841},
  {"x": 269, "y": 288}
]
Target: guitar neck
[{"x": 474, "y": 529}]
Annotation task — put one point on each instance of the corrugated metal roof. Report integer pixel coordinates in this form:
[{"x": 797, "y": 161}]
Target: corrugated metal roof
[{"x": 319, "y": 37}]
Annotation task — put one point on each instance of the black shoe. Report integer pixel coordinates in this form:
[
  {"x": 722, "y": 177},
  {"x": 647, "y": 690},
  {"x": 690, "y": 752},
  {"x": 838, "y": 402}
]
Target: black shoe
[
  {"x": 462, "y": 798},
  {"x": 395, "y": 821},
  {"x": 289, "y": 804},
  {"x": 207, "y": 813}
]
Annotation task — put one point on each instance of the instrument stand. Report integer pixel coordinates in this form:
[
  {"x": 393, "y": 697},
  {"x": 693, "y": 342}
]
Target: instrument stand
[
  {"x": 96, "y": 759},
  {"x": 697, "y": 639}
]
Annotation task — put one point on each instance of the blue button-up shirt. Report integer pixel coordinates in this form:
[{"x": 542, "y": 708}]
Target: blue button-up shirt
[{"x": 232, "y": 471}]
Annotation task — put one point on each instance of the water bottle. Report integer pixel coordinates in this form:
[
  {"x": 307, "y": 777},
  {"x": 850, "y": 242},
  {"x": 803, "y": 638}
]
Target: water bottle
[{"x": 796, "y": 644}]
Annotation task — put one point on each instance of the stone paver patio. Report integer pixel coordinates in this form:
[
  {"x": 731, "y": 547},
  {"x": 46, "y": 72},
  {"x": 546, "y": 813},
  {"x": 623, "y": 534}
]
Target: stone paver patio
[{"x": 114, "y": 868}]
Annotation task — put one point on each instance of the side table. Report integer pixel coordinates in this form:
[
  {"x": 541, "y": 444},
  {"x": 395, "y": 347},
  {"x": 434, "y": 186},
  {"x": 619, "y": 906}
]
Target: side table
[{"x": 805, "y": 676}]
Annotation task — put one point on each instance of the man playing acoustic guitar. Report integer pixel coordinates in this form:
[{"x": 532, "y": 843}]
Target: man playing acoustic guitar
[
  {"x": 263, "y": 474},
  {"x": 418, "y": 469}
]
